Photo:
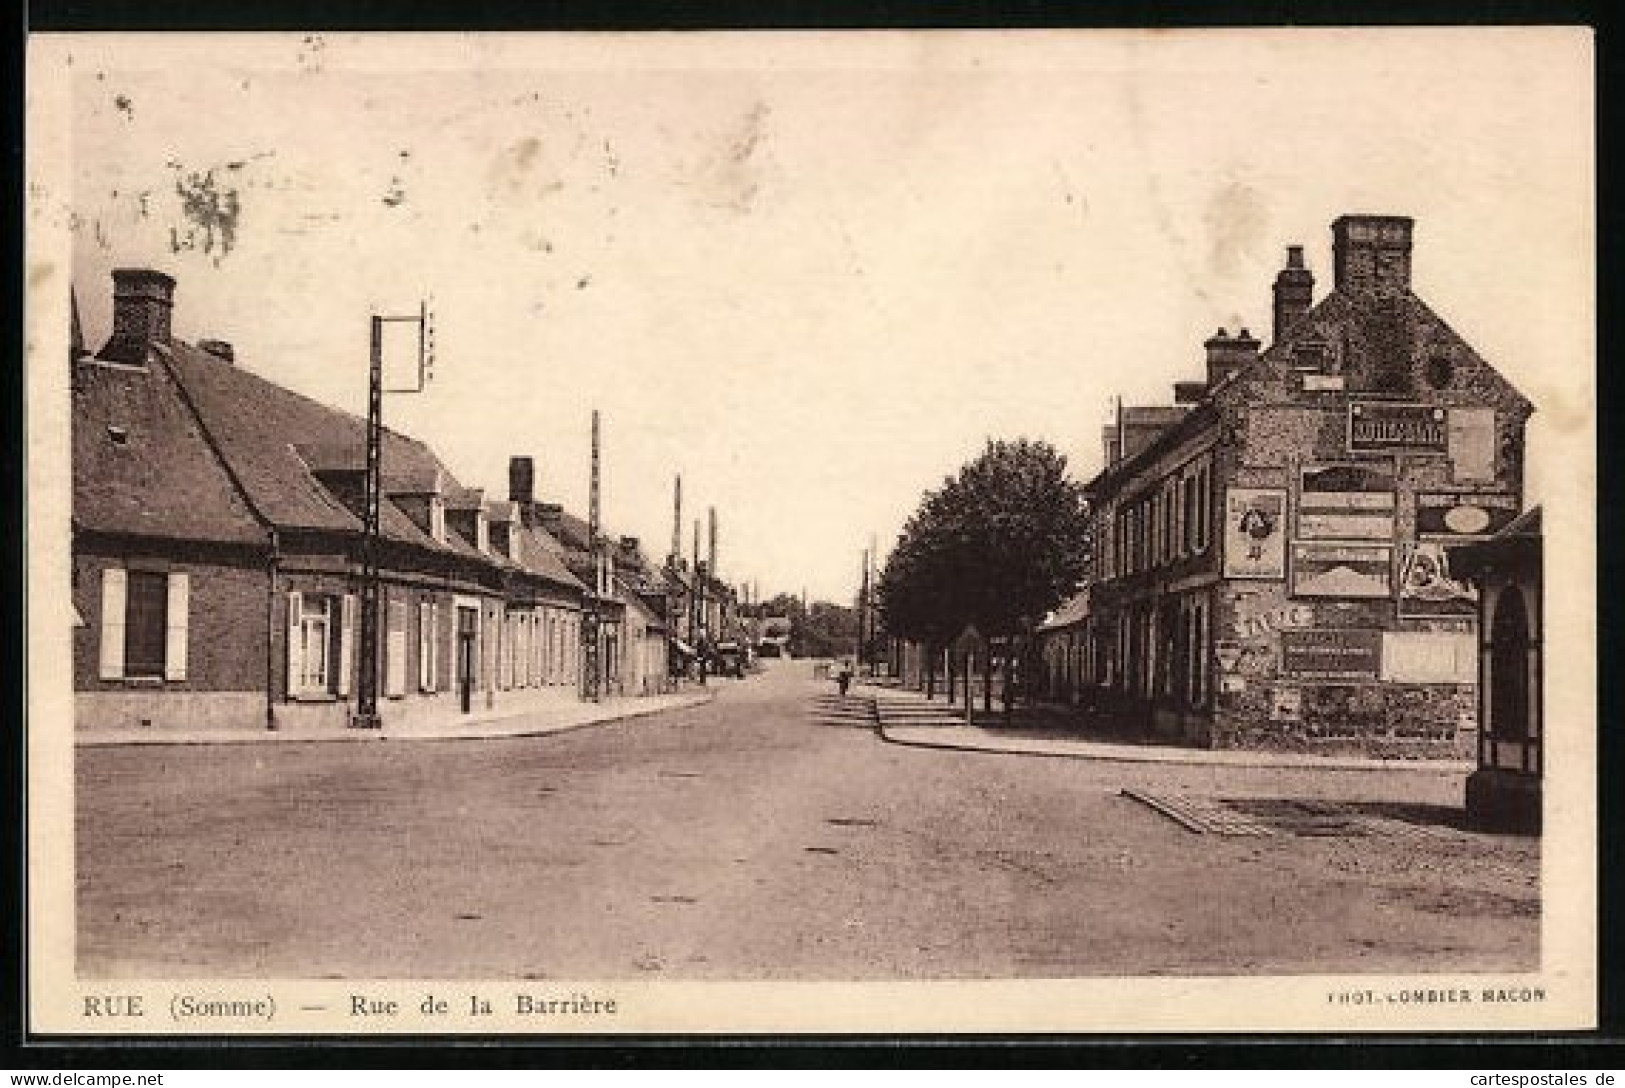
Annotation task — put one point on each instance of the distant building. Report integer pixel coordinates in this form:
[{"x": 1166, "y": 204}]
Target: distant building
[
  {"x": 773, "y": 636},
  {"x": 1270, "y": 561}
]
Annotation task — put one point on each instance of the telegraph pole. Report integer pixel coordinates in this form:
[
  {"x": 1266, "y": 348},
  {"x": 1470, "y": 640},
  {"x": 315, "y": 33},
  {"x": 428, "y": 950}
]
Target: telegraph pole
[
  {"x": 863, "y": 611},
  {"x": 674, "y": 558},
  {"x": 593, "y": 620},
  {"x": 366, "y": 711},
  {"x": 700, "y": 648}
]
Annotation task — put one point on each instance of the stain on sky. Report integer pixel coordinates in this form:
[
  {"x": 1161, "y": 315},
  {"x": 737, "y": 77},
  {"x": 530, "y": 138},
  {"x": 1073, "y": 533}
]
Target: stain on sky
[
  {"x": 125, "y": 106},
  {"x": 210, "y": 212},
  {"x": 1237, "y": 222},
  {"x": 310, "y": 56},
  {"x": 735, "y": 178}
]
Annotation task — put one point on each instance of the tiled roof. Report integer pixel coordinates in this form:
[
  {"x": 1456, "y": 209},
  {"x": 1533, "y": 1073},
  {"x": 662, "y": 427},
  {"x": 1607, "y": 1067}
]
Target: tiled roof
[
  {"x": 143, "y": 465},
  {"x": 538, "y": 556},
  {"x": 257, "y": 425}
]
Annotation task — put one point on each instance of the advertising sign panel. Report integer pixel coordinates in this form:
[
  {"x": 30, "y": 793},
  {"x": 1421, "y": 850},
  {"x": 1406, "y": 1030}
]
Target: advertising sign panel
[
  {"x": 1255, "y": 533},
  {"x": 1346, "y": 501},
  {"x": 1332, "y": 654},
  {"x": 1426, "y": 586},
  {"x": 1462, "y": 515},
  {"x": 1472, "y": 444},
  {"x": 1342, "y": 570},
  {"x": 1414, "y": 428}
]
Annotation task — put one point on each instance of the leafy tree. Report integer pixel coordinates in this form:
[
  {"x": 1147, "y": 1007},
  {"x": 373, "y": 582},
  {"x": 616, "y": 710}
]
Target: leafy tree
[
  {"x": 998, "y": 545},
  {"x": 823, "y": 630}
]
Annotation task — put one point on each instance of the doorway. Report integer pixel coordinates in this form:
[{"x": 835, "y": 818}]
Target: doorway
[{"x": 468, "y": 625}]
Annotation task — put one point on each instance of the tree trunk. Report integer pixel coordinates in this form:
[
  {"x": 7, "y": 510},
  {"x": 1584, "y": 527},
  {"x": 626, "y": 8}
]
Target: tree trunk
[
  {"x": 987, "y": 680},
  {"x": 930, "y": 672},
  {"x": 1008, "y": 697}
]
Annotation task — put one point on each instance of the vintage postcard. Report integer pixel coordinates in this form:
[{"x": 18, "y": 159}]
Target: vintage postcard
[{"x": 559, "y": 534}]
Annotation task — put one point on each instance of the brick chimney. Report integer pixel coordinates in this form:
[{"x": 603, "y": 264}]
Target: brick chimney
[
  {"x": 142, "y": 302},
  {"x": 1227, "y": 354},
  {"x": 1294, "y": 293},
  {"x": 522, "y": 481},
  {"x": 1371, "y": 254}
]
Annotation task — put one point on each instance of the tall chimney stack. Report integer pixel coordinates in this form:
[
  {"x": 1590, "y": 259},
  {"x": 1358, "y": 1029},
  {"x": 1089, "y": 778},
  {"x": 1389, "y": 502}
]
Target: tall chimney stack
[
  {"x": 677, "y": 520},
  {"x": 711, "y": 552},
  {"x": 143, "y": 300},
  {"x": 522, "y": 482},
  {"x": 1294, "y": 293},
  {"x": 1371, "y": 254},
  {"x": 1227, "y": 354}
]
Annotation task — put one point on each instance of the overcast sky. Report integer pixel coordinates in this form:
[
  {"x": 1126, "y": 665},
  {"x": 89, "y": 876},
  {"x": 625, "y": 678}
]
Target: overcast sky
[{"x": 814, "y": 275}]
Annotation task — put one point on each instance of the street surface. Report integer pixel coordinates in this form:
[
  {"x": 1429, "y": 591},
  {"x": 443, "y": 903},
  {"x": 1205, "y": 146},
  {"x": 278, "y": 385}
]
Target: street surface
[{"x": 768, "y": 835}]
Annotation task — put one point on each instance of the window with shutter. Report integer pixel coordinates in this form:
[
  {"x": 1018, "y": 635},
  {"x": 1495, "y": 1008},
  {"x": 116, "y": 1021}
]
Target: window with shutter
[
  {"x": 114, "y": 586},
  {"x": 314, "y": 636},
  {"x": 145, "y": 623},
  {"x": 296, "y": 662},
  {"x": 177, "y": 608},
  {"x": 395, "y": 650},
  {"x": 427, "y": 619},
  {"x": 346, "y": 644}
]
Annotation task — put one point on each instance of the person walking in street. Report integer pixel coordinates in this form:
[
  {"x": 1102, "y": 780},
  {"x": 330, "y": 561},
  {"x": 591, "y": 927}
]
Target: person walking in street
[{"x": 843, "y": 675}]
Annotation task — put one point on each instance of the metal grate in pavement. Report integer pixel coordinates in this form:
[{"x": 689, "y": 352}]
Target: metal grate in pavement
[
  {"x": 1199, "y": 815},
  {"x": 1268, "y": 816}
]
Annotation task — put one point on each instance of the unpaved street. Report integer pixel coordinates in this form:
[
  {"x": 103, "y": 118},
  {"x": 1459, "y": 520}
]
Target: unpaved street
[{"x": 770, "y": 834}]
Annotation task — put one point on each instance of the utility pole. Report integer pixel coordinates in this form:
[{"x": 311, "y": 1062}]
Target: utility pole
[
  {"x": 677, "y": 519},
  {"x": 863, "y": 611},
  {"x": 366, "y": 710},
  {"x": 700, "y": 648},
  {"x": 711, "y": 552},
  {"x": 593, "y": 620},
  {"x": 871, "y": 589},
  {"x": 674, "y": 579}
]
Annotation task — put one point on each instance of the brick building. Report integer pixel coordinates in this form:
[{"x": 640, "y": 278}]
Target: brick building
[
  {"x": 1270, "y": 565},
  {"x": 216, "y": 553}
]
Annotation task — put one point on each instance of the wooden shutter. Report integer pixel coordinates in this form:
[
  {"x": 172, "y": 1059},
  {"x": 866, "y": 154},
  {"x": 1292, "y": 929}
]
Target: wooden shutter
[
  {"x": 112, "y": 645},
  {"x": 296, "y": 606},
  {"x": 347, "y": 636},
  {"x": 180, "y": 593},
  {"x": 395, "y": 651},
  {"x": 423, "y": 648}
]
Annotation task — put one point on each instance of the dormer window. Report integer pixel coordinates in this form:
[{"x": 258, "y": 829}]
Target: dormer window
[
  {"x": 437, "y": 519},
  {"x": 1311, "y": 355},
  {"x": 1440, "y": 371},
  {"x": 119, "y": 435}
]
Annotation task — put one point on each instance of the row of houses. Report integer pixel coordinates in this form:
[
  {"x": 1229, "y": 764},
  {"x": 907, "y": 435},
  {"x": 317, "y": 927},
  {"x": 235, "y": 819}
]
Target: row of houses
[
  {"x": 217, "y": 550},
  {"x": 1272, "y": 550}
]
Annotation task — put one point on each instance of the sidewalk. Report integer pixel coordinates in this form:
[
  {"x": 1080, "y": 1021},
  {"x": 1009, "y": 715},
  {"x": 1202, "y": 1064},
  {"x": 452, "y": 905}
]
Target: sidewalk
[
  {"x": 909, "y": 718},
  {"x": 528, "y": 723}
]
